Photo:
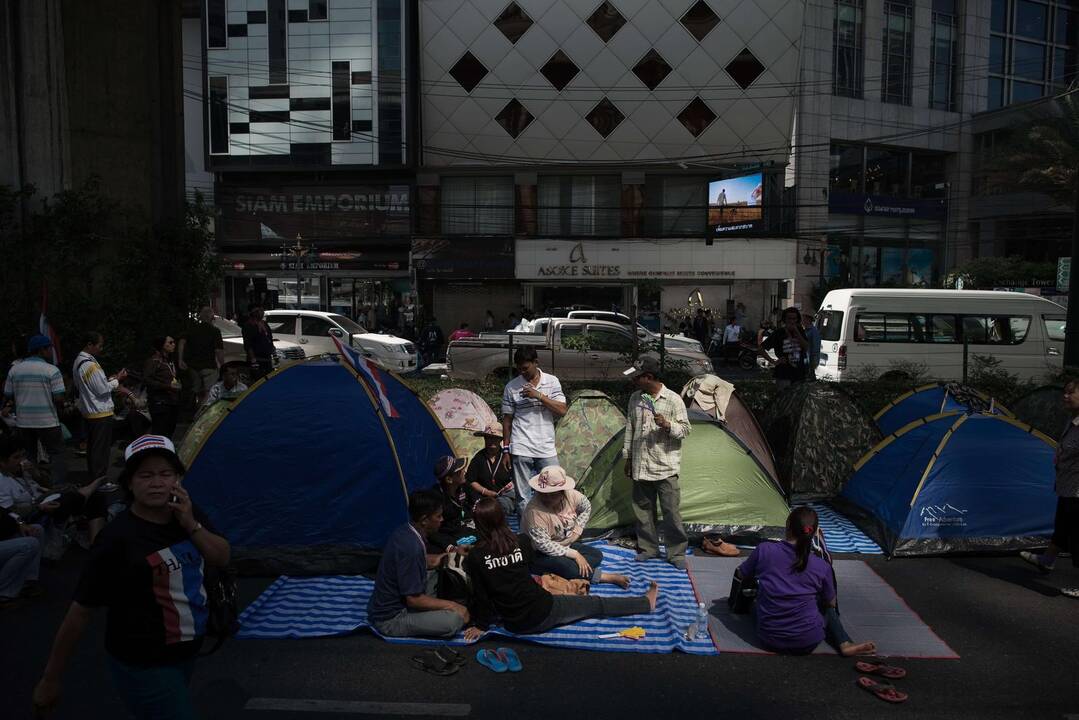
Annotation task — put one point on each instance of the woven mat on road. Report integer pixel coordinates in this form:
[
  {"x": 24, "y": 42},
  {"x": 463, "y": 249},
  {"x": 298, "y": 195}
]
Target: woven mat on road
[{"x": 294, "y": 607}]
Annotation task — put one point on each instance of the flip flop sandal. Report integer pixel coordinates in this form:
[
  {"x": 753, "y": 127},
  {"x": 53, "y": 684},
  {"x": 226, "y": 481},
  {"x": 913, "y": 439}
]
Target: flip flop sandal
[
  {"x": 450, "y": 656},
  {"x": 490, "y": 660},
  {"x": 875, "y": 667},
  {"x": 431, "y": 663},
  {"x": 885, "y": 692},
  {"x": 510, "y": 658}
]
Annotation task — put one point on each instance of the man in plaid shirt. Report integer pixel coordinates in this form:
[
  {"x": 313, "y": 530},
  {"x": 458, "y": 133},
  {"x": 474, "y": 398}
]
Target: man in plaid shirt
[{"x": 656, "y": 424}]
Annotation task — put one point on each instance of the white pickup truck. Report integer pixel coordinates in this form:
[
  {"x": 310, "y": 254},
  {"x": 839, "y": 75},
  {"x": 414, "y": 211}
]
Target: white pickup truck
[{"x": 607, "y": 347}]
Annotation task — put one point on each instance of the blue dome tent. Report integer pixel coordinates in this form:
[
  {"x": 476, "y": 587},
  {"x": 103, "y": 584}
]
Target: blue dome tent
[
  {"x": 305, "y": 473},
  {"x": 955, "y": 482},
  {"x": 931, "y": 400}
]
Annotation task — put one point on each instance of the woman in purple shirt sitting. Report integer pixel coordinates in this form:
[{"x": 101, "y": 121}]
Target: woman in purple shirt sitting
[{"x": 796, "y": 606}]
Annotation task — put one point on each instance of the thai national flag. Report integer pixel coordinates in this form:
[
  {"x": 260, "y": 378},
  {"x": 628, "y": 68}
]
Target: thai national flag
[
  {"x": 370, "y": 374},
  {"x": 45, "y": 329}
]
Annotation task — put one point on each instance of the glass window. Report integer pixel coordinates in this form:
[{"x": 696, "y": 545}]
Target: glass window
[
  {"x": 347, "y": 324},
  {"x": 1024, "y": 91},
  {"x": 477, "y": 205},
  {"x": 608, "y": 340},
  {"x": 341, "y": 79},
  {"x": 1028, "y": 60},
  {"x": 579, "y": 204},
  {"x": 830, "y": 324},
  {"x": 941, "y": 329},
  {"x": 282, "y": 324},
  {"x": 1055, "y": 327},
  {"x": 1065, "y": 65},
  {"x": 870, "y": 327},
  {"x": 1003, "y": 330},
  {"x": 996, "y": 93},
  {"x": 886, "y": 171},
  {"x": 896, "y": 63},
  {"x": 999, "y": 18},
  {"x": 216, "y": 32},
  {"x": 1031, "y": 19},
  {"x": 1066, "y": 27},
  {"x": 974, "y": 330},
  {"x": 314, "y": 326},
  {"x": 927, "y": 172},
  {"x": 943, "y": 62},
  {"x": 219, "y": 114},
  {"x": 846, "y": 168},
  {"x": 684, "y": 206},
  {"x": 997, "y": 62},
  {"x": 847, "y": 50}
]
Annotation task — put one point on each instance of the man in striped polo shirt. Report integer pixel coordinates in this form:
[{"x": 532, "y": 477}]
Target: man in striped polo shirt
[
  {"x": 37, "y": 388},
  {"x": 95, "y": 391}
]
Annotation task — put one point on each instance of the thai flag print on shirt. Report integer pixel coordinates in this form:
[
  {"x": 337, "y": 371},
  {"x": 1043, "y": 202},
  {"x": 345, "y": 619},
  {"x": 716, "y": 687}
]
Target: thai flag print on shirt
[{"x": 178, "y": 589}]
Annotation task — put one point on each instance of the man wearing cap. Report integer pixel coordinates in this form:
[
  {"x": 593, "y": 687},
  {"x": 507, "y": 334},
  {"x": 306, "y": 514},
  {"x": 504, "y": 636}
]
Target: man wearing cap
[
  {"x": 531, "y": 403},
  {"x": 656, "y": 424},
  {"x": 487, "y": 475},
  {"x": 37, "y": 387}
]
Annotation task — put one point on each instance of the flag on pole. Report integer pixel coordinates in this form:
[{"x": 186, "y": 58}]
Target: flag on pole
[
  {"x": 369, "y": 373},
  {"x": 45, "y": 329}
]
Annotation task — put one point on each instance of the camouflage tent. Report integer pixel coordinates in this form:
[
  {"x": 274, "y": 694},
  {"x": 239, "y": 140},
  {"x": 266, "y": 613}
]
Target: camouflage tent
[
  {"x": 817, "y": 433},
  {"x": 462, "y": 413},
  {"x": 592, "y": 419},
  {"x": 715, "y": 397},
  {"x": 1043, "y": 409},
  {"x": 724, "y": 488}
]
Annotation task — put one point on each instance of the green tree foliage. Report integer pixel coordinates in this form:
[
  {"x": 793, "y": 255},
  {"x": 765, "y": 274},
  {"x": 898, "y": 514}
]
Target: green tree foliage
[
  {"x": 1043, "y": 154},
  {"x": 105, "y": 268}
]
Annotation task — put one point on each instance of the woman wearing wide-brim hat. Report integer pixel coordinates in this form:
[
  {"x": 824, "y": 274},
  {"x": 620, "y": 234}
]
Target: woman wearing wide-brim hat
[
  {"x": 488, "y": 475},
  {"x": 555, "y": 519}
]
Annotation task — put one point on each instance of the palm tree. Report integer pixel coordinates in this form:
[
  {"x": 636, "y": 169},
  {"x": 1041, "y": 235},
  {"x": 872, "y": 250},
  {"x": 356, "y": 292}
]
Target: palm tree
[{"x": 1043, "y": 157}]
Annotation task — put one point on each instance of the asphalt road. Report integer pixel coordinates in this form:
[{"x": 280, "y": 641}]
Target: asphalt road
[{"x": 1017, "y": 638}]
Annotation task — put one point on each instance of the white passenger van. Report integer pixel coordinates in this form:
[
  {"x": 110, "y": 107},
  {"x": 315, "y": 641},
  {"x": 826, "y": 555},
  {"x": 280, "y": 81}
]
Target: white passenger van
[{"x": 862, "y": 327}]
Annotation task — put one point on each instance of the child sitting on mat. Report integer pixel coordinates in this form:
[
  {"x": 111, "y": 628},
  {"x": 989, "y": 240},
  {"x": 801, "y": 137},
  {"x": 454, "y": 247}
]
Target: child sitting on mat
[{"x": 796, "y": 594}]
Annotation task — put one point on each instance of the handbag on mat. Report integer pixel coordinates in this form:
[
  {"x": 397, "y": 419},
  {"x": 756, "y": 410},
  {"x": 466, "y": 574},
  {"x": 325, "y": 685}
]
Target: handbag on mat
[{"x": 743, "y": 593}]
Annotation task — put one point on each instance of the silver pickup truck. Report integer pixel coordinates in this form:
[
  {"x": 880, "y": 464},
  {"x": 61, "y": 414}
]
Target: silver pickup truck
[{"x": 607, "y": 344}]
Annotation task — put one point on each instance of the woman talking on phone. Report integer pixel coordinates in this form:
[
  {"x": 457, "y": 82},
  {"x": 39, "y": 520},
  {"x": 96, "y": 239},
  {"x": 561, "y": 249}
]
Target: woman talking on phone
[
  {"x": 791, "y": 346},
  {"x": 146, "y": 568}
]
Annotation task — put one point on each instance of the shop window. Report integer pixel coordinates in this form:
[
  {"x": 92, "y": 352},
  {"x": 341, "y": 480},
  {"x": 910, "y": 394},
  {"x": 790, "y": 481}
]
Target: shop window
[
  {"x": 886, "y": 171},
  {"x": 846, "y": 168},
  {"x": 579, "y": 205},
  {"x": 927, "y": 172},
  {"x": 477, "y": 205}
]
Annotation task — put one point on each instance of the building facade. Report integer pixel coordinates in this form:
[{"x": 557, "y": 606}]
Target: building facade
[{"x": 619, "y": 154}]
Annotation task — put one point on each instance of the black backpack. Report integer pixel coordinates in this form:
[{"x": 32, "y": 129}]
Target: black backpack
[
  {"x": 453, "y": 582},
  {"x": 222, "y": 603}
]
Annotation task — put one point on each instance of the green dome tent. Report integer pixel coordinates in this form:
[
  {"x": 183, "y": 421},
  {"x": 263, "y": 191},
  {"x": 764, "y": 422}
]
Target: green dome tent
[
  {"x": 591, "y": 420},
  {"x": 725, "y": 489}
]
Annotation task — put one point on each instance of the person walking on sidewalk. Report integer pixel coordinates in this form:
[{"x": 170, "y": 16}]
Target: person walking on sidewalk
[
  {"x": 201, "y": 354},
  {"x": 37, "y": 387},
  {"x": 1066, "y": 523},
  {"x": 657, "y": 423},
  {"x": 531, "y": 403},
  {"x": 95, "y": 404}
]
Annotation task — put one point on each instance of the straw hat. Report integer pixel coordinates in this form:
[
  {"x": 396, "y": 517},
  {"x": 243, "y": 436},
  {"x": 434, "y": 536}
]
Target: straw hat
[{"x": 494, "y": 431}]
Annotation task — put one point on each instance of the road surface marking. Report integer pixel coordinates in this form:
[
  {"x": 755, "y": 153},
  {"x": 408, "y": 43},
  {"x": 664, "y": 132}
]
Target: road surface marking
[{"x": 359, "y": 707}]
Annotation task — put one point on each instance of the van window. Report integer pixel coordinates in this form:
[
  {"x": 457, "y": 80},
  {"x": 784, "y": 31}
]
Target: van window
[
  {"x": 941, "y": 329},
  {"x": 1054, "y": 327},
  {"x": 830, "y": 324},
  {"x": 995, "y": 329},
  {"x": 905, "y": 328}
]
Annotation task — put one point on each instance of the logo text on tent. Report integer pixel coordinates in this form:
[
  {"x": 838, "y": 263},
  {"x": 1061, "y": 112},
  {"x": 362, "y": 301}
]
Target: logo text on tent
[{"x": 946, "y": 515}]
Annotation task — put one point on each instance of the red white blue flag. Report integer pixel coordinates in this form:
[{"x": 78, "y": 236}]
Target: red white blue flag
[
  {"x": 370, "y": 374},
  {"x": 45, "y": 329}
]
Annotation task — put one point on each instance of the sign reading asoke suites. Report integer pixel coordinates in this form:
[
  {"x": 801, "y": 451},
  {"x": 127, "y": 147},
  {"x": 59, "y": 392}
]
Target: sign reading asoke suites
[{"x": 630, "y": 260}]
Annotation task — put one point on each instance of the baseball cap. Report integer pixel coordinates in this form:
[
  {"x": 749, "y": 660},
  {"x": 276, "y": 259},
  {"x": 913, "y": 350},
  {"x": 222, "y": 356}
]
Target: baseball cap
[
  {"x": 37, "y": 342},
  {"x": 448, "y": 464},
  {"x": 642, "y": 365},
  {"x": 148, "y": 442}
]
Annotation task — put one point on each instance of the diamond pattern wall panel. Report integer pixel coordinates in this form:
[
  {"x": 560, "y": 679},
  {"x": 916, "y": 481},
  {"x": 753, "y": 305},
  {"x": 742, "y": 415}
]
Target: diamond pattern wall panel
[{"x": 618, "y": 80}]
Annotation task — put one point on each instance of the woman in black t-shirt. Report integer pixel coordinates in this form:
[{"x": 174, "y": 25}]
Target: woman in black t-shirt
[
  {"x": 488, "y": 475},
  {"x": 456, "y": 510},
  {"x": 146, "y": 569},
  {"x": 503, "y": 586},
  {"x": 791, "y": 346}
]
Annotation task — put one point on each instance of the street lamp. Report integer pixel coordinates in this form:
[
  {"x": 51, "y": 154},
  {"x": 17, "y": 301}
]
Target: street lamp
[{"x": 299, "y": 251}]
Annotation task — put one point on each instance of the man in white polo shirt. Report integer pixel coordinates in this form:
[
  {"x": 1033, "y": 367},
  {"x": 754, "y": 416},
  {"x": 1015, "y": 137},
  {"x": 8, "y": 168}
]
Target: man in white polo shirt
[
  {"x": 36, "y": 386},
  {"x": 531, "y": 403}
]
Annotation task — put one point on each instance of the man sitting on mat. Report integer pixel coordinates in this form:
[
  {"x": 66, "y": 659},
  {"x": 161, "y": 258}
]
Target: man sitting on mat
[
  {"x": 554, "y": 519},
  {"x": 404, "y": 603},
  {"x": 796, "y": 595}
]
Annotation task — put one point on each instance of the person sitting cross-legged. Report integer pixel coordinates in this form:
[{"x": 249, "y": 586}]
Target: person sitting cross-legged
[
  {"x": 555, "y": 518},
  {"x": 796, "y": 594},
  {"x": 503, "y": 586},
  {"x": 403, "y": 603}
]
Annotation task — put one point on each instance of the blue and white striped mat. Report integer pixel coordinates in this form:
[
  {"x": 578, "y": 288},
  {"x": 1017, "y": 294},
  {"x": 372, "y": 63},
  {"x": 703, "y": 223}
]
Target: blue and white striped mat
[
  {"x": 841, "y": 534},
  {"x": 327, "y": 606}
]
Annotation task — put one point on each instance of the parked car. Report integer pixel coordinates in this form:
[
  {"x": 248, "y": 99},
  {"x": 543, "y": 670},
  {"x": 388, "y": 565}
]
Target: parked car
[
  {"x": 874, "y": 328},
  {"x": 608, "y": 347},
  {"x": 646, "y": 335},
  {"x": 232, "y": 337},
  {"x": 315, "y": 331}
]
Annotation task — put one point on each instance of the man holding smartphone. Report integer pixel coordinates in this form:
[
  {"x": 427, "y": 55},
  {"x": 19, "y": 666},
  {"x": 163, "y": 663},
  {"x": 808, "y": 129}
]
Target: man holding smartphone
[
  {"x": 531, "y": 403},
  {"x": 790, "y": 344}
]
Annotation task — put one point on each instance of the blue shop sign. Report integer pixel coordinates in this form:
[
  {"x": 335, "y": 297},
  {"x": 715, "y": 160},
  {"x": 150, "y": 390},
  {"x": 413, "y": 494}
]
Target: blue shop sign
[{"x": 886, "y": 206}]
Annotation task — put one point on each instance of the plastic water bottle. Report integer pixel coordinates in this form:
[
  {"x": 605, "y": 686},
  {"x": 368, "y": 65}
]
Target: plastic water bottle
[{"x": 702, "y": 622}]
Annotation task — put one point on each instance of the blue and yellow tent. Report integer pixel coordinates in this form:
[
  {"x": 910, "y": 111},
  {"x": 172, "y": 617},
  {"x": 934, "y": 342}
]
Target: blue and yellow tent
[
  {"x": 955, "y": 482},
  {"x": 304, "y": 474},
  {"x": 934, "y": 399}
]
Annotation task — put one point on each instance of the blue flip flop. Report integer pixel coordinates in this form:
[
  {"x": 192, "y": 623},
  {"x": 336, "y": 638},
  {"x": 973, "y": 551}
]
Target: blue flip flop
[
  {"x": 510, "y": 659},
  {"x": 490, "y": 660}
]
